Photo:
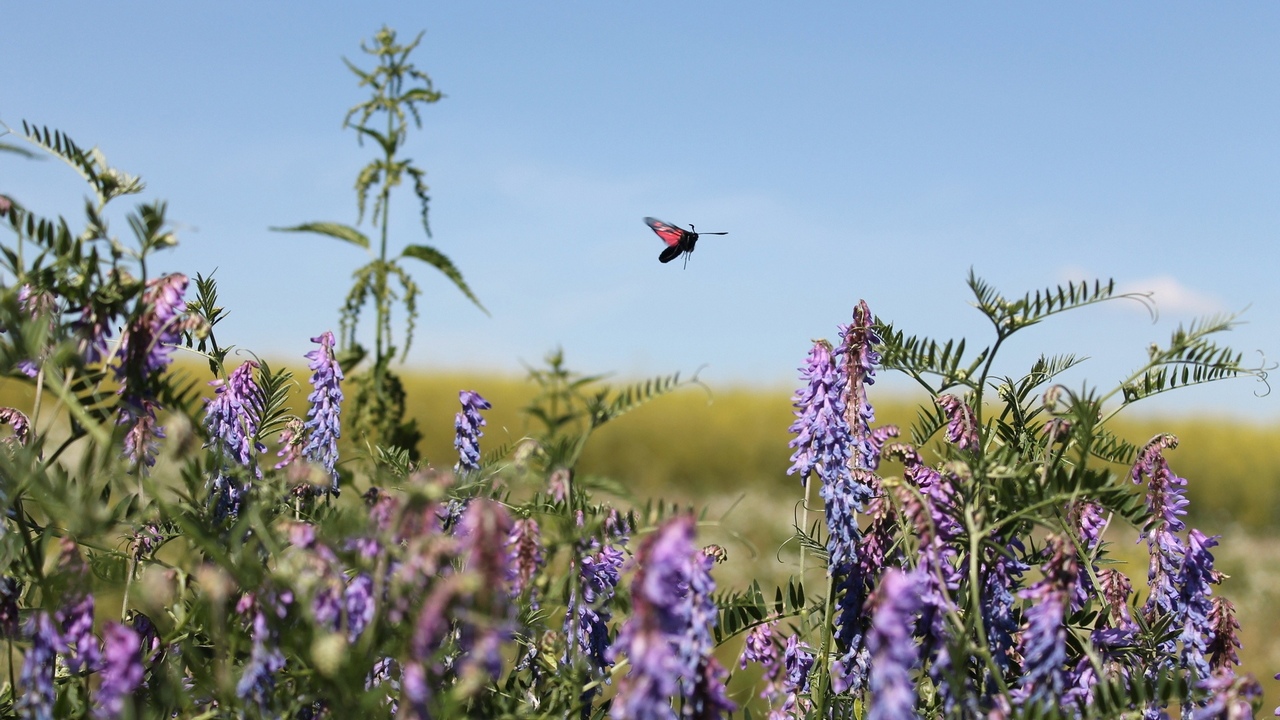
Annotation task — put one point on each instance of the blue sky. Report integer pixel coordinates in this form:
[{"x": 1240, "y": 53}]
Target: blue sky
[{"x": 851, "y": 151}]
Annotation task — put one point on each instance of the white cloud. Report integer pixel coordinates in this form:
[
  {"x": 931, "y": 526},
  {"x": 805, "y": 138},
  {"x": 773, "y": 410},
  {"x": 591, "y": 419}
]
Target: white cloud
[{"x": 1175, "y": 298}]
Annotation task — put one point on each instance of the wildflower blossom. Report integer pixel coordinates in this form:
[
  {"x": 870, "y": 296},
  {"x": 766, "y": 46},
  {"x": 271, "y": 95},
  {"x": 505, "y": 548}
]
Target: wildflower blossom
[
  {"x": 667, "y": 648},
  {"x": 467, "y": 426},
  {"x": 822, "y": 432},
  {"x": 1194, "y": 579},
  {"x": 1223, "y": 639},
  {"x": 1044, "y": 635},
  {"x": 587, "y": 620},
  {"x": 323, "y": 418},
  {"x": 76, "y": 622},
  {"x": 1231, "y": 698},
  {"x": 358, "y": 603},
  {"x": 797, "y": 662},
  {"x": 292, "y": 438},
  {"x": 1001, "y": 572},
  {"x": 36, "y": 701},
  {"x": 1166, "y": 503},
  {"x": 10, "y": 591},
  {"x": 258, "y": 678},
  {"x": 962, "y": 424},
  {"x": 20, "y": 424},
  {"x": 1089, "y": 523},
  {"x": 145, "y": 350},
  {"x": 858, "y": 342},
  {"x": 231, "y": 417},
  {"x": 122, "y": 671},
  {"x": 483, "y": 532},
  {"x": 141, "y": 440},
  {"x": 93, "y": 328},
  {"x": 525, "y": 546},
  {"x": 893, "y": 651}
]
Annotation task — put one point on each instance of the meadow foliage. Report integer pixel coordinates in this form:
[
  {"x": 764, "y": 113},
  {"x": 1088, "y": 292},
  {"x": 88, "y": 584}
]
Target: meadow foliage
[{"x": 173, "y": 553}]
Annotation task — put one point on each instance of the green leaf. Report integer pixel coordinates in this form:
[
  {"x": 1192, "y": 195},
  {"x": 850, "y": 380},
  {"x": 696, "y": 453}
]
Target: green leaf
[
  {"x": 334, "y": 230},
  {"x": 436, "y": 259}
]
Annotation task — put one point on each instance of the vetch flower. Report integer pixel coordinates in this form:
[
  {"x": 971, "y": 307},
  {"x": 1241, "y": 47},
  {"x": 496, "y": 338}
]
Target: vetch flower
[
  {"x": 858, "y": 342},
  {"x": 962, "y": 424},
  {"x": 1196, "y": 575},
  {"x": 358, "y": 602},
  {"x": 1001, "y": 573},
  {"x": 20, "y": 424},
  {"x": 145, "y": 351},
  {"x": 76, "y": 623},
  {"x": 467, "y": 426},
  {"x": 587, "y": 619},
  {"x": 231, "y": 417},
  {"x": 323, "y": 418},
  {"x": 797, "y": 662},
  {"x": 1044, "y": 635},
  {"x": 1223, "y": 639},
  {"x": 36, "y": 700},
  {"x": 10, "y": 591},
  {"x": 667, "y": 639},
  {"x": 525, "y": 546},
  {"x": 822, "y": 432},
  {"x": 122, "y": 671},
  {"x": 893, "y": 650}
]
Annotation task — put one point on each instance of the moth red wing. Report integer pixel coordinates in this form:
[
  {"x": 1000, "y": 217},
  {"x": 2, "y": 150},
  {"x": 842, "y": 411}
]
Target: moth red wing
[{"x": 670, "y": 234}]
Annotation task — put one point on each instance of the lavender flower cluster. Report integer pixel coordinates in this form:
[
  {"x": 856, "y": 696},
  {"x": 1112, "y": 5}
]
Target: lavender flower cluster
[{"x": 903, "y": 577}]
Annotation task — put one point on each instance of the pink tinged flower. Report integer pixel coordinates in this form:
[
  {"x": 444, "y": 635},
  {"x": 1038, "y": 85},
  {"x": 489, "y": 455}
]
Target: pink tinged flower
[
  {"x": 858, "y": 343},
  {"x": 962, "y": 423},
  {"x": 147, "y": 343},
  {"x": 291, "y": 442},
  {"x": 1224, "y": 639},
  {"x": 142, "y": 439},
  {"x": 525, "y": 546},
  {"x": 20, "y": 424}
]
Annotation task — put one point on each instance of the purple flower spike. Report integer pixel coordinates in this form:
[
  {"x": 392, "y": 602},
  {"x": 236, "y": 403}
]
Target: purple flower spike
[
  {"x": 358, "y": 599},
  {"x": 231, "y": 417},
  {"x": 37, "y": 670},
  {"x": 797, "y": 662},
  {"x": 323, "y": 419},
  {"x": 148, "y": 342},
  {"x": 1195, "y": 578},
  {"x": 1044, "y": 635},
  {"x": 1166, "y": 502},
  {"x": 76, "y": 621},
  {"x": 893, "y": 651},
  {"x": 588, "y": 619},
  {"x": 467, "y": 426},
  {"x": 822, "y": 432},
  {"x": 122, "y": 672},
  {"x": 668, "y": 637}
]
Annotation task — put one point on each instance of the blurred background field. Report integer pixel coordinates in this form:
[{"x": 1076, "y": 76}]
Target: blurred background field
[{"x": 725, "y": 449}]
